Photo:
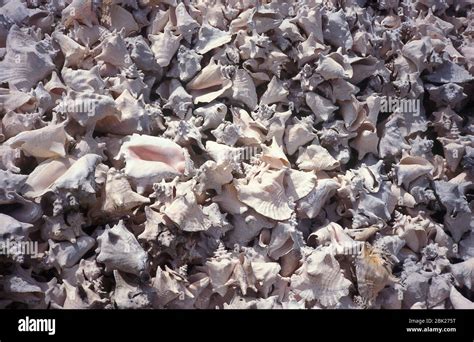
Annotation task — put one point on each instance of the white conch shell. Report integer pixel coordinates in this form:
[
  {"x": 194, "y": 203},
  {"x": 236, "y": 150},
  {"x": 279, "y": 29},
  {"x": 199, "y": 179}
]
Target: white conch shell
[
  {"x": 337, "y": 31},
  {"x": 247, "y": 227},
  {"x": 320, "y": 106},
  {"x": 185, "y": 24},
  {"x": 14, "y": 205},
  {"x": 213, "y": 176},
  {"x": 179, "y": 100},
  {"x": 310, "y": 21},
  {"x": 367, "y": 140},
  {"x": 77, "y": 105},
  {"x": 299, "y": 134},
  {"x": 15, "y": 123},
  {"x": 158, "y": 20},
  {"x": 229, "y": 201},
  {"x": 299, "y": 183},
  {"x": 46, "y": 142},
  {"x": 74, "y": 53},
  {"x": 189, "y": 63},
  {"x": 119, "y": 250},
  {"x": 169, "y": 285},
  {"x": 80, "y": 176},
  {"x": 243, "y": 89},
  {"x": 22, "y": 287},
  {"x": 312, "y": 204},
  {"x": 210, "y": 38},
  {"x": 334, "y": 66},
  {"x": 113, "y": 52},
  {"x": 274, "y": 156},
  {"x": 130, "y": 294},
  {"x": 56, "y": 228},
  {"x": 310, "y": 49},
  {"x": 26, "y": 61},
  {"x": 412, "y": 230},
  {"x": 79, "y": 10},
  {"x": 320, "y": 277},
  {"x": 213, "y": 113},
  {"x": 78, "y": 80},
  {"x": 150, "y": 159},
  {"x": 250, "y": 131},
  {"x": 67, "y": 254},
  {"x": 134, "y": 118},
  {"x": 12, "y": 99},
  {"x": 119, "y": 18},
  {"x": 220, "y": 269},
  {"x": 276, "y": 92},
  {"x": 44, "y": 176},
  {"x": 164, "y": 46},
  {"x": 187, "y": 214},
  {"x": 118, "y": 194},
  {"x": 266, "y": 194},
  {"x": 409, "y": 168},
  {"x": 210, "y": 83},
  {"x": 316, "y": 158},
  {"x": 353, "y": 113}
]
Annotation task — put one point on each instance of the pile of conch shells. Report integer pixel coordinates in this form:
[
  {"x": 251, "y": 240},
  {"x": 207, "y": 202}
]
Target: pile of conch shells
[{"x": 236, "y": 154}]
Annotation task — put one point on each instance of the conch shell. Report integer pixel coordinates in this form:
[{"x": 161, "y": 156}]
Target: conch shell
[{"x": 150, "y": 159}]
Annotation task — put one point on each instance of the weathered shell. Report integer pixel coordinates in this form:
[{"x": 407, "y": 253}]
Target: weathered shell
[
  {"x": 119, "y": 250},
  {"x": 266, "y": 194},
  {"x": 150, "y": 159}
]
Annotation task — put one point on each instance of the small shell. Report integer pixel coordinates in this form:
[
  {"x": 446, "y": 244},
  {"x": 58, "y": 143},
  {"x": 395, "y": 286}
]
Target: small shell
[
  {"x": 119, "y": 250},
  {"x": 185, "y": 24},
  {"x": 119, "y": 18},
  {"x": 187, "y": 214},
  {"x": 81, "y": 11},
  {"x": 150, "y": 159},
  {"x": 266, "y": 194},
  {"x": 67, "y": 254},
  {"x": 189, "y": 63},
  {"x": 210, "y": 83},
  {"x": 26, "y": 61},
  {"x": 129, "y": 294},
  {"x": 210, "y": 38},
  {"x": 276, "y": 92},
  {"x": 320, "y": 277},
  {"x": 46, "y": 142},
  {"x": 74, "y": 53},
  {"x": 316, "y": 158},
  {"x": 312, "y": 204},
  {"x": 320, "y": 106},
  {"x": 373, "y": 273},
  {"x": 299, "y": 134},
  {"x": 118, "y": 195},
  {"x": 164, "y": 46},
  {"x": 213, "y": 114}
]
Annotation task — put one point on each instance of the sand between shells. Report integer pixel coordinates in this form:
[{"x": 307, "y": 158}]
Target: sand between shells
[{"x": 229, "y": 154}]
